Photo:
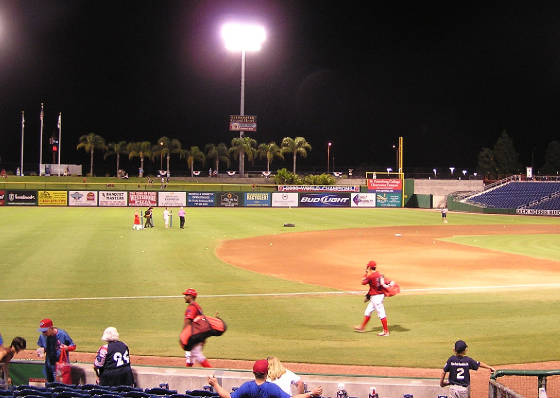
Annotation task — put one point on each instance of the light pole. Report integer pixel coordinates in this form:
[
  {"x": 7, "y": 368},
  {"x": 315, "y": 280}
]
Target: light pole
[
  {"x": 161, "y": 156},
  {"x": 328, "y": 157},
  {"x": 243, "y": 38},
  {"x": 396, "y": 148}
]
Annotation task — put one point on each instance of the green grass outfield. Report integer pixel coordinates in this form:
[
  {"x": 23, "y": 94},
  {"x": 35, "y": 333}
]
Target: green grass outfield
[{"x": 78, "y": 258}]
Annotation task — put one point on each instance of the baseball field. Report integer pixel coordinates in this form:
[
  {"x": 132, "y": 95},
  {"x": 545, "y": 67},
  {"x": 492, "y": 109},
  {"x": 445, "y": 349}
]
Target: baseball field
[{"x": 295, "y": 293}]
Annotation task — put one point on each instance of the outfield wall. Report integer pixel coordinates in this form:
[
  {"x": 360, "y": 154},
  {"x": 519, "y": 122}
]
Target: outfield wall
[{"x": 286, "y": 198}]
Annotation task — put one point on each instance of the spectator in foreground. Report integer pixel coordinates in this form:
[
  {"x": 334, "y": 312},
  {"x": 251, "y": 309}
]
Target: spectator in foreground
[
  {"x": 112, "y": 362},
  {"x": 458, "y": 366},
  {"x": 283, "y": 377},
  {"x": 260, "y": 388},
  {"x": 51, "y": 342},
  {"x": 6, "y": 355}
]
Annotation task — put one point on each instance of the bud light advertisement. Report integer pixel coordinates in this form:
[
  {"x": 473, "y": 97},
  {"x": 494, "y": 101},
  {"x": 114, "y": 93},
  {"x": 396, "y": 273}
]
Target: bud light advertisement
[{"x": 324, "y": 200}]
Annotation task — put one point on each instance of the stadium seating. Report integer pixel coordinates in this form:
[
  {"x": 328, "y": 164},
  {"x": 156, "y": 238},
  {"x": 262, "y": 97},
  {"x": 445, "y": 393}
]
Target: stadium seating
[
  {"x": 59, "y": 390},
  {"x": 515, "y": 194}
]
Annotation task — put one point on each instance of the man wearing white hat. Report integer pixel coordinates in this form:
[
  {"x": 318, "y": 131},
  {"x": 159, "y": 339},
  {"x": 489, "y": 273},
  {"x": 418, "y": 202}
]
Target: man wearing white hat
[{"x": 112, "y": 362}]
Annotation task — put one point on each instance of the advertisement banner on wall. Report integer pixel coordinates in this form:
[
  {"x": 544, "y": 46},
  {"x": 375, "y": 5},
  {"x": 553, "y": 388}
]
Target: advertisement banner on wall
[
  {"x": 201, "y": 199},
  {"x": 230, "y": 199},
  {"x": 388, "y": 199},
  {"x": 142, "y": 199},
  {"x": 52, "y": 198},
  {"x": 257, "y": 199},
  {"x": 318, "y": 188},
  {"x": 112, "y": 198},
  {"x": 285, "y": 199},
  {"x": 324, "y": 200},
  {"x": 2, "y": 198},
  {"x": 384, "y": 185},
  {"x": 363, "y": 200},
  {"x": 21, "y": 198},
  {"x": 172, "y": 199},
  {"x": 538, "y": 212},
  {"x": 82, "y": 198}
]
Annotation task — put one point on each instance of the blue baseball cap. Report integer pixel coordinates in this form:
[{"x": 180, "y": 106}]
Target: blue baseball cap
[{"x": 460, "y": 346}]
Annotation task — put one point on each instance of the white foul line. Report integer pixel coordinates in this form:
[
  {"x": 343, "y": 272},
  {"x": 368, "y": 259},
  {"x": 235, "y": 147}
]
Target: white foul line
[{"x": 422, "y": 290}]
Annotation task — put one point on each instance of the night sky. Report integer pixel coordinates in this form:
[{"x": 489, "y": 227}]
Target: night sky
[{"x": 448, "y": 79}]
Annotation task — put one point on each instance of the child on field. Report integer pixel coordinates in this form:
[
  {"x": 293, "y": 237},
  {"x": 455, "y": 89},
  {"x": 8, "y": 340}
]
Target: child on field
[{"x": 137, "y": 224}]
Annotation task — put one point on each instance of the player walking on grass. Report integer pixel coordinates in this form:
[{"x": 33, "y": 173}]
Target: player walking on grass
[
  {"x": 458, "y": 367},
  {"x": 374, "y": 298},
  {"x": 193, "y": 310}
]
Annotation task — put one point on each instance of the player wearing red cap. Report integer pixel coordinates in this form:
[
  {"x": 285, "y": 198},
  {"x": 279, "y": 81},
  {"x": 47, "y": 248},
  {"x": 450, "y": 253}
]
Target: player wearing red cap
[
  {"x": 374, "y": 297},
  {"x": 193, "y": 310}
]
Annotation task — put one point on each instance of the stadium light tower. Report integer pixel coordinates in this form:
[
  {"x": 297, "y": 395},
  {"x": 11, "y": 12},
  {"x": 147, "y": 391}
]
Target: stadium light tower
[
  {"x": 329, "y": 144},
  {"x": 242, "y": 38}
]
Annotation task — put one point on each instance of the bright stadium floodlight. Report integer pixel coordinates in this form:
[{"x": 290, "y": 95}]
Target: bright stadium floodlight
[
  {"x": 451, "y": 169},
  {"x": 243, "y": 38},
  {"x": 435, "y": 172},
  {"x": 389, "y": 169},
  {"x": 464, "y": 172}
]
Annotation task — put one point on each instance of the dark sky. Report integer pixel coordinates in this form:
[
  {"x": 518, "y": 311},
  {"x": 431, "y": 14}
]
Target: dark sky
[{"x": 448, "y": 79}]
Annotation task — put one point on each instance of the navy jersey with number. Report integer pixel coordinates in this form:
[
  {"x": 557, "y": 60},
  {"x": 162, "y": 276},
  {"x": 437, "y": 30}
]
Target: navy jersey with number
[
  {"x": 113, "y": 356},
  {"x": 458, "y": 368}
]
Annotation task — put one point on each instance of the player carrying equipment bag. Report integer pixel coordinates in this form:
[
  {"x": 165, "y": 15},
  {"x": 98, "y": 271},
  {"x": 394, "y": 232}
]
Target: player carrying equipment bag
[{"x": 200, "y": 329}]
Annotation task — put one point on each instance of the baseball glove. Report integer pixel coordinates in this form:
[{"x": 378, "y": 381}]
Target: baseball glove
[{"x": 367, "y": 297}]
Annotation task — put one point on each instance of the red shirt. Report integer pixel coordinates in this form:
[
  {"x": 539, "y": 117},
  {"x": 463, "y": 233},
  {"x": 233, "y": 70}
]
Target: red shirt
[
  {"x": 193, "y": 310},
  {"x": 374, "y": 282}
]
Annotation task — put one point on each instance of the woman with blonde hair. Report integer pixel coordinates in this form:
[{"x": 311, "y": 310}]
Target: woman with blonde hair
[{"x": 283, "y": 377}]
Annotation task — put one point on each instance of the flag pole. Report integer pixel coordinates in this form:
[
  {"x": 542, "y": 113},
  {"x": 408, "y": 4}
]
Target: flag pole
[
  {"x": 59, "y": 139},
  {"x": 21, "y": 154},
  {"x": 42, "y": 115}
]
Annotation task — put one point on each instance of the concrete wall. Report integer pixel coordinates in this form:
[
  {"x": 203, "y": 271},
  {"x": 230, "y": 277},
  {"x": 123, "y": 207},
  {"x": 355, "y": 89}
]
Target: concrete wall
[
  {"x": 445, "y": 187},
  {"x": 183, "y": 379}
]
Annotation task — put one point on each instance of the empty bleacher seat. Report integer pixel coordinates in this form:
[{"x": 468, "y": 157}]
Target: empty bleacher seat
[
  {"x": 159, "y": 391},
  {"x": 24, "y": 392},
  {"x": 136, "y": 394},
  {"x": 123, "y": 389},
  {"x": 202, "y": 393}
]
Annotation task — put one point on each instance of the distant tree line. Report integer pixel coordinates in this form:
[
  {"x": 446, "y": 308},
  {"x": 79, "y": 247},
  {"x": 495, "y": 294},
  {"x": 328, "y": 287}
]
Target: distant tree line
[
  {"x": 503, "y": 160},
  {"x": 213, "y": 155}
]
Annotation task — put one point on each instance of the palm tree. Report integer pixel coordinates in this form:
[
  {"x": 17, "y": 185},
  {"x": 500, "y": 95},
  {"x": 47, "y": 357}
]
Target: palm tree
[
  {"x": 218, "y": 153},
  {"x": 142, "y": 149},
  {"x": 298, "y": 146},
  {"x": 269, "y": 151},
  {"x": 90, "y": 142},
  {"x": 165, "y": 147},
  {"x": 194, "y": 154},
  {"x": 241, "y": 146},
  {"x": 116, "y": 149}
]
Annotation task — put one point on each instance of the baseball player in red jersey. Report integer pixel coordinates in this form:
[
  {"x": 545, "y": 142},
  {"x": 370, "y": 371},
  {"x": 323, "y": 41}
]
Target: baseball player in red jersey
[
  {"x": 375, "y": 296},
  {"x": 192, "y": 311}
]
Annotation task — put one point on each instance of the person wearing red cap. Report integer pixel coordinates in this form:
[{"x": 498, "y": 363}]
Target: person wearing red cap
[
  {"x": 51, "y": 342},
  {"x": 374, "y": 298},
  {"x": 260, "y": 388},
  {"x": 193, "y": 310}
]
